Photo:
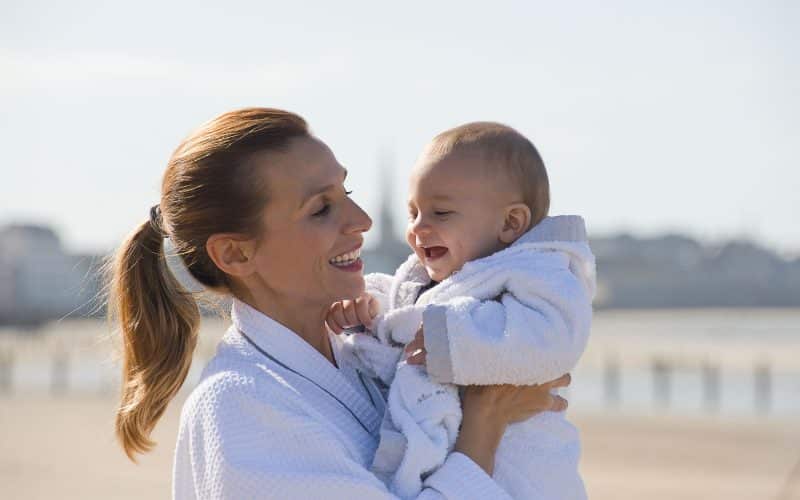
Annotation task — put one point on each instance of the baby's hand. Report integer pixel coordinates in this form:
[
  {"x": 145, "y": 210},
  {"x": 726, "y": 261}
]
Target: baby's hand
[
  {"x": 415, "y": 350},
  {"x": 350, "y": 313}
]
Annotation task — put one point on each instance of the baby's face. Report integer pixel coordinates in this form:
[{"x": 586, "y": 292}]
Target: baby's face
[{"x": 456, "y": 213}]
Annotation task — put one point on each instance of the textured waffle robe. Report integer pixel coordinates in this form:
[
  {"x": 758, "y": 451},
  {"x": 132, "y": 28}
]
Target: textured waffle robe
[{"x": 274, "y": 419}]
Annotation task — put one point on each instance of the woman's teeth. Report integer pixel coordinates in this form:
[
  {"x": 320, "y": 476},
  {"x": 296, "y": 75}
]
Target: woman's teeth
[{"x": 346, "y": 259}]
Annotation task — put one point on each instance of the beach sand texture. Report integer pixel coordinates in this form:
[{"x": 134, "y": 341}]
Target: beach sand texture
[{"x": 64, "y": 448}]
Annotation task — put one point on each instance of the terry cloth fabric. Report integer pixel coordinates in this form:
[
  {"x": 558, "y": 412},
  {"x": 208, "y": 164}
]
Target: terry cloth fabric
[
  {"x": 289, "y": 424},
  {"x": 520, "y": 316}
]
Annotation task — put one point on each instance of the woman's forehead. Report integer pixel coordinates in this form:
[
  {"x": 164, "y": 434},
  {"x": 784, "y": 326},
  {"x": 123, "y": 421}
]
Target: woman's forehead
[{"x": 305, "y": 169}]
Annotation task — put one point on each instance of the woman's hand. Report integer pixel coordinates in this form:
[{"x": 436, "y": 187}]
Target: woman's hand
[
  {"x": 349, "y": 313},
  {"x": 487, "y": 411},
  {"x": 508, "y": 404},
  {"x": 415, "y": 350}
]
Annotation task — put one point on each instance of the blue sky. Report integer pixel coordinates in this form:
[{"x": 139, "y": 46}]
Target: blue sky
[{"x": 651, "y": 117}]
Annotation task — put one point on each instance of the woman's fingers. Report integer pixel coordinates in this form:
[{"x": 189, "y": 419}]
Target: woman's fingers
[
  {"x": 415, "y": 350},
  {"x": 415, "y": 354},
  {"x": 535, "y": 399},
  {"x": 417, "y": 357},
  {"x": 562, "y": 381},
  {"x": 559, "y": 404}
]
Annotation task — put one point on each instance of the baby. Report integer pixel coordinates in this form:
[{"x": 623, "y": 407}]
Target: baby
[{"x": 497, "y": 292}]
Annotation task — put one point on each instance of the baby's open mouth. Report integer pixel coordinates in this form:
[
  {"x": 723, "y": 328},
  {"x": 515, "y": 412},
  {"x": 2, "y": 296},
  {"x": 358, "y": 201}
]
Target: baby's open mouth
[{"x": 433, "y": 253}]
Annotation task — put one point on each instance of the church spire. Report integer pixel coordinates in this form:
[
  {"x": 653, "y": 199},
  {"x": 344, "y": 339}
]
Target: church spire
[{"x": 386, "y": 171}]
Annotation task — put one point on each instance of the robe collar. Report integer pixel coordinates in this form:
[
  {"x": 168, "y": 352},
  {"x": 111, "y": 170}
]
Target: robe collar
[{"x": 291, "y": 350}]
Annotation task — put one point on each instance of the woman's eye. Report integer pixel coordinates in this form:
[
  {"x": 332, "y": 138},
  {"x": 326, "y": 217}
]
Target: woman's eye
[
  {"x": 323, "y": 211},
  {"x": 443, "y": 212},
  {"x": 348, "y": 193}
]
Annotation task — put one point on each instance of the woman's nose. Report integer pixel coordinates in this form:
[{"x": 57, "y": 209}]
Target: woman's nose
[{"x": 359, "y": 221}]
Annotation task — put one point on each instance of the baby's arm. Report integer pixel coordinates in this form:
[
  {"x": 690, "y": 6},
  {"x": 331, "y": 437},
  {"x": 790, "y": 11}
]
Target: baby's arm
[
  {"x": 375, "y": 357},
  {"x": 524, "y": 338}
]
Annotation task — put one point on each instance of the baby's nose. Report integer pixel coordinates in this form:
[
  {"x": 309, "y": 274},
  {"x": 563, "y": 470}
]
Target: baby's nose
[{"x": 421, "y": 227}]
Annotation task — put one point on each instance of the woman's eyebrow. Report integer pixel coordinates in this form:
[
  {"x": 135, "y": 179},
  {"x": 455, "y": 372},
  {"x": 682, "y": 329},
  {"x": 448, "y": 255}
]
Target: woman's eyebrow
[{"x": 324, "y": 189}]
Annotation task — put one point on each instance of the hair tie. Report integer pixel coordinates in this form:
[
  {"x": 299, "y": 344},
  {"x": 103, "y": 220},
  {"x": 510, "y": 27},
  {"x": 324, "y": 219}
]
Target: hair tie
[{"x": 156, "y": 222}]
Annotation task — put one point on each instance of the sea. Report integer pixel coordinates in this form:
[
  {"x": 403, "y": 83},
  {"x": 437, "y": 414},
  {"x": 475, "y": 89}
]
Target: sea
[{"x": 724, "y": 362}]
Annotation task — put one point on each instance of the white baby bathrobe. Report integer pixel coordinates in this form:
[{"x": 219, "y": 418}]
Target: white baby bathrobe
[{"x": 520, "y": 316}]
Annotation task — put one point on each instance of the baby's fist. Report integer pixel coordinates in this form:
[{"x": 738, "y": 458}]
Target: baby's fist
[{"x": 350, "y": 313}]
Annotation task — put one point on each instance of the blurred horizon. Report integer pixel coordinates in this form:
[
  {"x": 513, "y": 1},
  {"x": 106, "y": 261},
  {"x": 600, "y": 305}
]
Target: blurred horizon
[
  {"x": 41, "y": 280},
  {"x": 372, "y": 241}
]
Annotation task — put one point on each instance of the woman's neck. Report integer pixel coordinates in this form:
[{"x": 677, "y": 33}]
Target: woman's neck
[{"x": 305, "y": 320}]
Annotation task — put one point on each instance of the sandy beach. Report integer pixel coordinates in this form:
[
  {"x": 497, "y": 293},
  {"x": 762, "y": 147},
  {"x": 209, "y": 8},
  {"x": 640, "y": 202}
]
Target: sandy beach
[
  {"x": 56, "y": 441},
  {"x": 64, "y": 448}
]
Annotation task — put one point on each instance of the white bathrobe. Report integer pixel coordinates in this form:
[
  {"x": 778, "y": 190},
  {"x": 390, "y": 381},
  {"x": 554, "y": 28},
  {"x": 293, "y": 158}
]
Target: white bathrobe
[
  {"x": 520, "y": 316},
  {"x": 272, "y": 418}
]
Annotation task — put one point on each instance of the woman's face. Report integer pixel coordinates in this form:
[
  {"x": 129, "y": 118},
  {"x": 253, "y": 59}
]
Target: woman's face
[{"x": 310, "y": 250}]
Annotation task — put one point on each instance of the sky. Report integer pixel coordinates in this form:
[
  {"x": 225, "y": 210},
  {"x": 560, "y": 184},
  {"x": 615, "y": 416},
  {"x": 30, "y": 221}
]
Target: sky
[{"x": 652, "y": 117}]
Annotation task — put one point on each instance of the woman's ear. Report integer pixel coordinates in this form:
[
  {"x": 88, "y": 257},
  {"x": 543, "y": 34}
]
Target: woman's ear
[
  {"x": 516, "y": 223},
  {"x": 232, "y": 253}
]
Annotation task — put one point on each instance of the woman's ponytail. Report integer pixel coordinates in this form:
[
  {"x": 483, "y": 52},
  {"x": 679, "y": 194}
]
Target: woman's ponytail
[
  {"x": 158, "y": 320},
  {"x": 214, "y": 183}
]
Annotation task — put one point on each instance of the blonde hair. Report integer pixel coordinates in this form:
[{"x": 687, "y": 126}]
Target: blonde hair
[
  {"x": 505, "y": 149},
  {"x": 209, "y": 187}
]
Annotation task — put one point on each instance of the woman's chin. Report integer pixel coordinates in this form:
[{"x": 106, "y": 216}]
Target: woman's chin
[{"x": 349, "y": 287}]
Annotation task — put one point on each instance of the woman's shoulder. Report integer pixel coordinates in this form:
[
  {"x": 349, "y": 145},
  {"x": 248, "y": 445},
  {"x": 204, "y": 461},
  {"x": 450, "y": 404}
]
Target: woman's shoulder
[{"x": 235, "y": 380}]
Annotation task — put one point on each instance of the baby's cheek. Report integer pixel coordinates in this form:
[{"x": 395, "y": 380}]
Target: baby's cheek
[
  {"x": 481, "y": 248},
  {"x": 410, "y": 240},
  {"x": 459, "y": 257}
]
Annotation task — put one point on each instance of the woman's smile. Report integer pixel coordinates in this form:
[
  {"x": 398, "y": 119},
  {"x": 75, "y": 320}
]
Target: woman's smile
[{"x": 348, "y": 261}]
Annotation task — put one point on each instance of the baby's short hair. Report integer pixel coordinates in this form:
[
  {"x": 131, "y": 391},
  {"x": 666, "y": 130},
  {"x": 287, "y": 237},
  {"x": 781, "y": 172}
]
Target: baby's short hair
[{"x": 504, "y": 149}]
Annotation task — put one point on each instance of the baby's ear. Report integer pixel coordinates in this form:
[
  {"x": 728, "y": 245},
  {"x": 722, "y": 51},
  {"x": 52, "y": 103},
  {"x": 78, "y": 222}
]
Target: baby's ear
[{"x": 516, "y": 222}]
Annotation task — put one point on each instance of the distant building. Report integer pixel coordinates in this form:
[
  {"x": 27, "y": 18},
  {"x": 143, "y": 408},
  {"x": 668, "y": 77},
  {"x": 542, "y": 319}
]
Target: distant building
[
  {"x": 671, "y": 271},
  {"x": 390, "y": 252},
  {"x": 676, "y": 271},
  {"x": 39, "y": 280}
]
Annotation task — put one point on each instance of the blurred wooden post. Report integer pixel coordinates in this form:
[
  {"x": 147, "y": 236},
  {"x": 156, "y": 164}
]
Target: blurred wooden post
[
  {"x": 661, "y": 388},
  {"x": 711, "y": 386},
  {"x": 611, "y": 381},
  {"x": 762, "y": 383},
  {"x": 6, "y": 370},
  {"x": 60, "y": 372}
]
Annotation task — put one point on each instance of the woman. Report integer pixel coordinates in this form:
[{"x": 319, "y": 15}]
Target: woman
[{"x": 256, "y": 207}]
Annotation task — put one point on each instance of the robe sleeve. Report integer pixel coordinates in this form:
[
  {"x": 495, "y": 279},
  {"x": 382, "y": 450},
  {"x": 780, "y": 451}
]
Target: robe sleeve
[{"x": 531, "y": 335}]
